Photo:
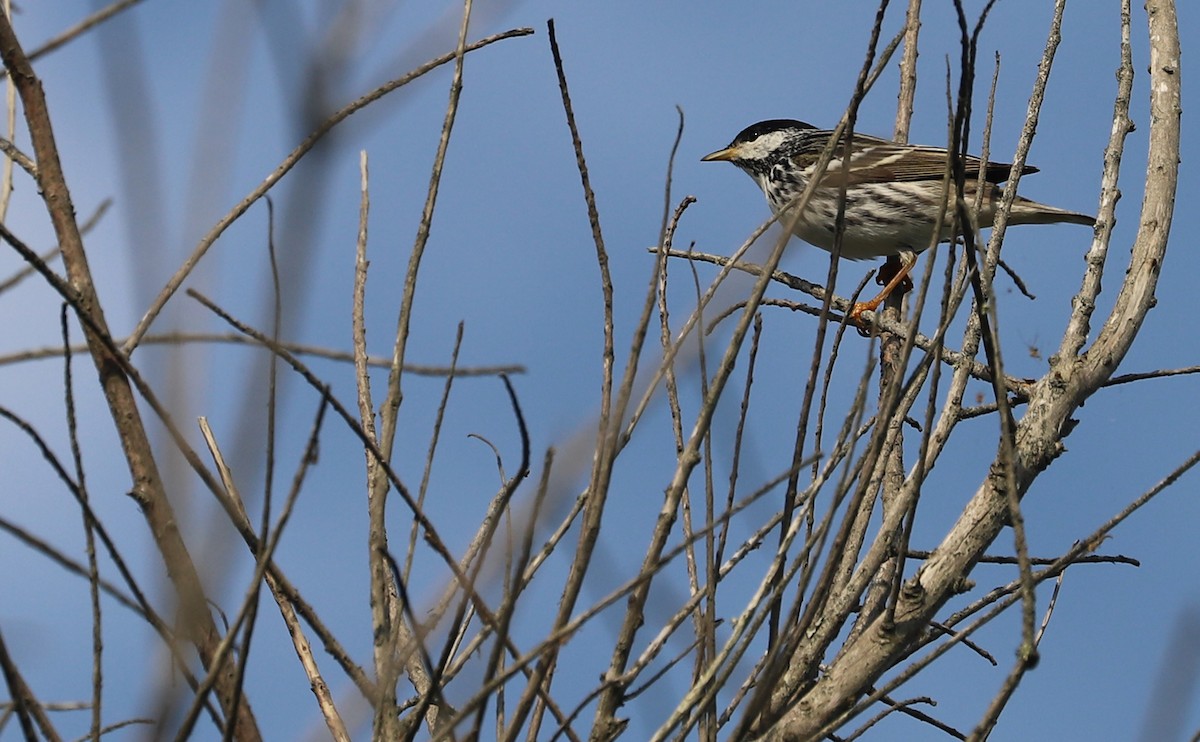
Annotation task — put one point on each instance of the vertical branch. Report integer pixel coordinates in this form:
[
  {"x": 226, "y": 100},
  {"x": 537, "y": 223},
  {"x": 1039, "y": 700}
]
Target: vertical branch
[
  {"x": 1004, "y": 468},
  {"x": 272, "y": 372},
  {"x": 908, "y": 71},
  {"x": 10, "y": 126},
  {"x": 893, "y": 357},
  {"x": 386, "y": 616},
  {"x": 1084, "y": 303},
  {"x": 841, "y": 139},
  {"x": 358, "y": 331},
  {"x": 608, "y": 426},
  {"x": 1027, "y": 656},
  {"x": 704, "y": 621},
  {"x": 89, "y": 526}
]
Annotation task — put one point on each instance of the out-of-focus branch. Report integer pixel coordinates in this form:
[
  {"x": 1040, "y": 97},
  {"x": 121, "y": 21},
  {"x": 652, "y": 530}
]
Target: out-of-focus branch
[
  {"x": 147, "y": 485},
  {"x": 299, "y": 349},
  {"x": 276, "y": 175},
  {"x": 74, "y": 32}
]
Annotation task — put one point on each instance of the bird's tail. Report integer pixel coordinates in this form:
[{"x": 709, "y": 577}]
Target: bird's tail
[{"x": 1025, "y": 211}]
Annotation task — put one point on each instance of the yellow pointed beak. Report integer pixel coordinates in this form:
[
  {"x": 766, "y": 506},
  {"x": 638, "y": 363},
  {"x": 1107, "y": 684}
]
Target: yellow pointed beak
[{"x": 727, "y": 155}]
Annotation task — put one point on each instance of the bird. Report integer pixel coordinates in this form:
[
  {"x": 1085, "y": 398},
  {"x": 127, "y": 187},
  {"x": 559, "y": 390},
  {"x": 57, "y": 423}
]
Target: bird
[{"x": 894, "y": 193}]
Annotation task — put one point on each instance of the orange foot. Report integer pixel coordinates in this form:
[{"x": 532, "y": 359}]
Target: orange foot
[{"x": 856, "y": 315}]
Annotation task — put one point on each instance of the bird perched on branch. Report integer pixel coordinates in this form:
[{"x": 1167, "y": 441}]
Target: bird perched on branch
[{"x": 894, "y": 193}]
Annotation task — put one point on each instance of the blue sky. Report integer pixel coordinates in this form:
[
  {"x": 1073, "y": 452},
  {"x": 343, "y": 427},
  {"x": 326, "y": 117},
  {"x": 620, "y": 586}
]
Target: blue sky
[{"x": 511, "y": 257}]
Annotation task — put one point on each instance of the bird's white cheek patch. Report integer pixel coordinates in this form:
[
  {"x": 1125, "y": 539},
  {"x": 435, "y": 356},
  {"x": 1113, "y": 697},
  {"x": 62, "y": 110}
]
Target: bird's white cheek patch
[{"x": 763, "y": 147}]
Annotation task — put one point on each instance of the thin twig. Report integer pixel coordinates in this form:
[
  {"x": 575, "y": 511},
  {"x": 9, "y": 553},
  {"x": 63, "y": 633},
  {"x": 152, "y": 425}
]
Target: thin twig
[
  {"x": 261, "y": 567},
  {"x": 284, "y": 167},
  {"x": 89, "y": 528},
  {"x": 80, "y": 28},
  {"x": 299, "y": 349},
  {"x": 949, "y": 356},
  {"x": 529, "y": 707}
]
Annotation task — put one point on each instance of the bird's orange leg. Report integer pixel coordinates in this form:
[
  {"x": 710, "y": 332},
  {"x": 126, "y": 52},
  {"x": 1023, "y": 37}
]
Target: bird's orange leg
[
  {"x": 888, "y": 271},
  {"x": 898, "y": 280}
]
